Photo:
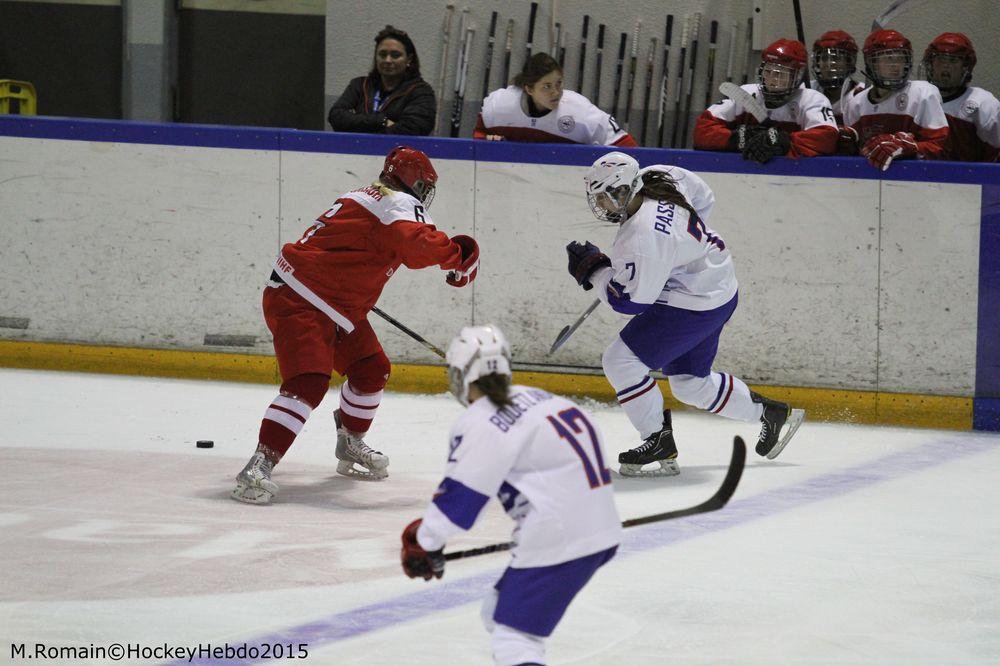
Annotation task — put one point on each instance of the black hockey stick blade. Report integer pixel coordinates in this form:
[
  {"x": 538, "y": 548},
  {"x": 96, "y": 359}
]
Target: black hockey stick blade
[
  {"x": 410, "y": 333},
  {"x": 713, "y": 503}
]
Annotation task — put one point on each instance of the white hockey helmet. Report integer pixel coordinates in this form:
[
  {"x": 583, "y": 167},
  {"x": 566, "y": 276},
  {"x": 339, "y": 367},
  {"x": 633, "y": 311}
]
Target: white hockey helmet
[
  {"x": 612, "y": 182},
  {"x": 477, "y": 351}
]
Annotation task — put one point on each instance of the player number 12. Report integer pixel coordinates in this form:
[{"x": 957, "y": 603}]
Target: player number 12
[{"x": 572, "y": 422}]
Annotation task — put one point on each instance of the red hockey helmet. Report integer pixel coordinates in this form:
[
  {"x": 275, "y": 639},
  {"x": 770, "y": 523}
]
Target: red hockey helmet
[
  {"x": 410, "y": 170},
  {"x": 951, "y": 45},
  {"x": 835, "y": 56},
  {"x": 782, "y": 65},
  {"x": 888, "y": 59}
]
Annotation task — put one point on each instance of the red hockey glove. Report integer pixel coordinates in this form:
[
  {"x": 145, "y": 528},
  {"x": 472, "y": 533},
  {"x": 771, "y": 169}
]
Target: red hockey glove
[
  {"x": 584, "y": 260},
  {"x": 417, "y": 562},
  {"x": 467, "y": 272},
  {"x": 847, "y": 141},
  {"x": 882, "y": 149}
]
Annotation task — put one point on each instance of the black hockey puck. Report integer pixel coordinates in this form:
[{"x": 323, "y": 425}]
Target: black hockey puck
[{"x": 205, "y": 444}]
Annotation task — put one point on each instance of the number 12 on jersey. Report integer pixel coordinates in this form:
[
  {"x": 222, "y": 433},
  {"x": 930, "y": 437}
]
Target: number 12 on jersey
[{"x": 568, "y": 425}]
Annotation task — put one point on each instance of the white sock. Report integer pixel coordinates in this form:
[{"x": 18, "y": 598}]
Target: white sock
[
  {"x": 719, "y": 393},
  {"x": 637, "y": 392}
]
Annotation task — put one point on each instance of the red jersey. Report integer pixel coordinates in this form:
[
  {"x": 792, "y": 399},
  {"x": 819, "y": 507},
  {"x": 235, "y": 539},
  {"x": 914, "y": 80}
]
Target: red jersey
[
  {"x": 343, "y": 261},
  {"x": 807, "y": 117}
]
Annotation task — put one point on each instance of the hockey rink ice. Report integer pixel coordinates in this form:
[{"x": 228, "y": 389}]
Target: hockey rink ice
[{"x": 859, "y": 545}]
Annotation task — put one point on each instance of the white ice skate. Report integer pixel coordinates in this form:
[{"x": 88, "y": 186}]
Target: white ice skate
[
  {"x": 254, "y": 484},
  {"x": 357, "y": 459}
]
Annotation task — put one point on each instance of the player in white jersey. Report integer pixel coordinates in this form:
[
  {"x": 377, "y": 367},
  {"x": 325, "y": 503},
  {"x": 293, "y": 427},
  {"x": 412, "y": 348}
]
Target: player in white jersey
[
  {"x": 896, "y": 118},
  {"x": 676, "y": 276},
  {"x": 802, "y": 118},
  {"x": 536, "y": 108},
  {"x": 973, "y": 113},
  {"x": 541, "y": 456},
  {"x": 835, "y": 56}
]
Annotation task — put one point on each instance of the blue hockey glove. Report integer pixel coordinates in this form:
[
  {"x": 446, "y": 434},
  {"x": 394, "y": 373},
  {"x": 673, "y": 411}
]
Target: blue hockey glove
[{"x": 584, "y": 260}]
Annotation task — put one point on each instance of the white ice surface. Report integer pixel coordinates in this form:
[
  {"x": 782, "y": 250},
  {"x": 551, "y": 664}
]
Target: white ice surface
[{"x": 857, "y": 546}]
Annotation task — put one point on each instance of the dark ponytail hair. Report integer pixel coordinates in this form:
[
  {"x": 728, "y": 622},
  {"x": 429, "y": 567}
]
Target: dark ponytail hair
[
  {"x": 660, "y": 186},
  {"x": 496, "y": 388},
  {"x": 537, "y": 66},
  {"x": 390, "y": 32}
]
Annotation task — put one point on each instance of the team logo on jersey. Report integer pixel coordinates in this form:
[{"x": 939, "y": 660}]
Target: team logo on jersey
[
  {"x": 389, "y": 272},
  {"x": 566, "y": 124},
  {"x": 901, "y": 101},
  {"x": 970, "y": 107}
]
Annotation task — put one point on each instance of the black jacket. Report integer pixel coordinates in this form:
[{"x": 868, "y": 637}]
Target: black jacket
[{"x": 411, "y": 106}]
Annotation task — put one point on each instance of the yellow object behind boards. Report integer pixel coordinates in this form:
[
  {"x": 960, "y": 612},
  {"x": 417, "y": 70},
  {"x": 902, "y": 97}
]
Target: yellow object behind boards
[{"x": 18, "y": 97}]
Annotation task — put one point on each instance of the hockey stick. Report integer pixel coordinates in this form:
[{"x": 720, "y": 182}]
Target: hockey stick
[
  {"x": 713, "y": 503},
  {"x": 506, "y": 53},
  {"x": 712, "y": 43},
  {"x": 554, "y": 47},
  {"x": 748, "y": 52},
  {"x": 649, "y": 87},
  {"x": 597, "y": 66},
  {"x": 410, "y": 333},
  {"x": 531, "y": 32},
  {"x": 694, "y": 54},
  {"x": 461, "y": 75},
  {"x": 567, "y": 331},
  {"x": 489, "y": 54},
  {"x": 449, "y": 10},
  {"x": 631, "y": 70},
  {"x": 664, "y": 80},
  {"x": 732, "y": 51},
  {"x": 753, "y": 105},
  {"x": 619, "y": 66},
  {"x": 800, "y": 31},
  {"x": 680, "y": 82},
  {"x": 892, "y": 11},
  {"x": 562, "y": 50},
  {"x": 583, "y": 54}
]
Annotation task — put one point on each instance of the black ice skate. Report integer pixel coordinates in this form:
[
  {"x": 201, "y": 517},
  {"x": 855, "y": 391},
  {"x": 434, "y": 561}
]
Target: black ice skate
[
  {"x": 657, "y": 448},
  {"x": 777, "y": 415},
  {"x": 357, "y": 459}
]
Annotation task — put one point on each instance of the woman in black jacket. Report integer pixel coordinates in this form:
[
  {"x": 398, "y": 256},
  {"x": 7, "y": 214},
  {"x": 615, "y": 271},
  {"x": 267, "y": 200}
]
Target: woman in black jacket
[{"x": 392, "y": 99}]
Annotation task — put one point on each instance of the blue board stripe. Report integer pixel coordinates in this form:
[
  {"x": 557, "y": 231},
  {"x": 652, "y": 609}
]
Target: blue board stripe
[{"x": 263, "y": 138}]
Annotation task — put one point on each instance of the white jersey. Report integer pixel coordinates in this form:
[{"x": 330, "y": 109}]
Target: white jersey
[
  {"x": 574, "y": 120},
  {"x": 804, "y": 110},
  {"x": 974, "y": 126},
  {"x": 544, "y": 460},
  {"x": 663, "y": 254},
  {"x": 848, "y": 89},
  {"x": 915, "y": 108}
]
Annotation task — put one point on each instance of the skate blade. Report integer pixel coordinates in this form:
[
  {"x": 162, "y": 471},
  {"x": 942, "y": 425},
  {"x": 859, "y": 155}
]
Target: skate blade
[
  {"x": 348, "y": 468},
  {"x": 250, "y": 495},
  {"x": 666, "y": 468},
  {"x": 795, "y": 419}
]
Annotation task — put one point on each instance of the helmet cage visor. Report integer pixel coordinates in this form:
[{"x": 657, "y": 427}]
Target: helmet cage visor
[
  {"x": 777, "y": 81},
  {"x": 889, "y": 68},
  {"x": 947, "y": 70},
  {"x": 832, "y": 66},
  {"x": 609, "y": 204}
]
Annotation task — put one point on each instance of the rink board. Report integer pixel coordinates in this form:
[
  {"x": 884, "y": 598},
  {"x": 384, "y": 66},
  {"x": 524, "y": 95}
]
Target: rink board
[{"x": 159, "y": 237}]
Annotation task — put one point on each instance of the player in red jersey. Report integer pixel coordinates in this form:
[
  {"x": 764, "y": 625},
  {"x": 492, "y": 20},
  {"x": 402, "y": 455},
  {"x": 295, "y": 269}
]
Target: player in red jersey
[
  {"x": 317, "y": 301},
  {"x": 973, "y": 113},
  {"x": 896, "y": 118},
  {"x": 801, "y": 119}
]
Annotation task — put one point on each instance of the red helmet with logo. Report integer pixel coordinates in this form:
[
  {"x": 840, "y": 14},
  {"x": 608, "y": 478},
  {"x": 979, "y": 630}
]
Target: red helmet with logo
[
  {"x": 834, "y": 58},
  {"x": 891, "y": 47},
  {"x": 950, "y": 44},
  {"x": 787, "y": 58},
  {"x": 410, "y": 170}
]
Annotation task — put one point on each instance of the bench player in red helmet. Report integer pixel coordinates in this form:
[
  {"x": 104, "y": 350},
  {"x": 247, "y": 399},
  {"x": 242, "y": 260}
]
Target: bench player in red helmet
[
  {"x": 973, "y": 113},
  {"x": 799, "y": 121},
  {"x": 835, "y": 55},
  {"x": 896, "y": 118},
  {"x": 316, "y": 305}
]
